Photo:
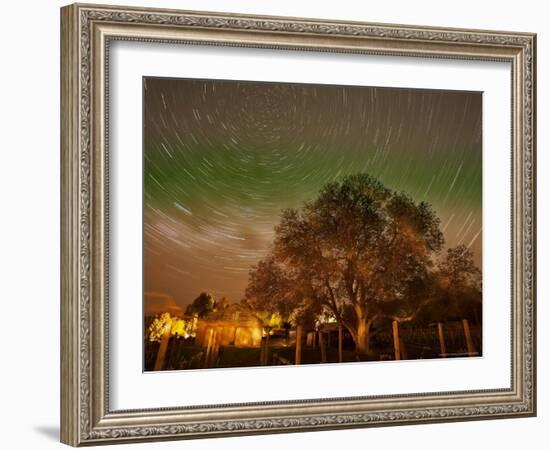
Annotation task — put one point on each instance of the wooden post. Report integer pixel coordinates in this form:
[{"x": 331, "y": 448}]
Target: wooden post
[
  {"x": 210, "y": 333},
  {"x": 468, "y": 336},
  {"x": 340, "y": 339},
  {"x": 210, "y": 348},
  {"x": 397, "y": 349},
  {"x": 298, "y": 355},
  {"x": 215, "y": 348},
  {"x": 403, "y": 349},
  {"x": 442, "y": 346},
  {"x": 323, "y": 347},
  {"x": 175, "y": 352},
  {"x": 159, "y": 362},
  {"x": 264, "y": 351},
  {"x": 267, "y": 350}
]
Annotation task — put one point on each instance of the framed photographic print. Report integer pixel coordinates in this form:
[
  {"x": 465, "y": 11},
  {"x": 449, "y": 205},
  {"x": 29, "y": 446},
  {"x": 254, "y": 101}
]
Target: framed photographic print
[{"x": 275, "y": 224}]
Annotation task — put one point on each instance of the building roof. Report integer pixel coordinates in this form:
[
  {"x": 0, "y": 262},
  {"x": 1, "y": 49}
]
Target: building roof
[{"x": 232, "y": 312}]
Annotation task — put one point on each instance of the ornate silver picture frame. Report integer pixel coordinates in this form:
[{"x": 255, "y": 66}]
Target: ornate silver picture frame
[{"x": 87, "y": 33}]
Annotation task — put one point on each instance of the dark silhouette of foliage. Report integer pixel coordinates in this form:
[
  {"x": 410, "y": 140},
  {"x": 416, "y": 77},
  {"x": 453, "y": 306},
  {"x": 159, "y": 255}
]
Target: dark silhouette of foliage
[
  {"x": 457, "y": 288},
  {"x": 202, "y": 305},
  {"x": 273, "y": 288}
]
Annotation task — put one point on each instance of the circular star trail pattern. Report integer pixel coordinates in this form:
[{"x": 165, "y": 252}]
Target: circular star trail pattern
[{"x": 223, "y": 158}]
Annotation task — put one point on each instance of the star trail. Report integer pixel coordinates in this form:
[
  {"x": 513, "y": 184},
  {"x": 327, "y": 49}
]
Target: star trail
[{"x": 222, "y": 158}]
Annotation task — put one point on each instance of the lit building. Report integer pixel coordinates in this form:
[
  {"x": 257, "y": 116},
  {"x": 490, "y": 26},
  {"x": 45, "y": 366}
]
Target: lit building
[{"x": 234, "y": 325}]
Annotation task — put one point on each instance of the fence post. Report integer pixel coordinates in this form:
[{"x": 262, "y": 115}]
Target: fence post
[
  {"x": 396, "y": 346},
  {"x": 442, "y": 347},
  {"x": 262, "y": 346},
  {"x": 159, "y": 362},
  {"x": 323, "y": 347},
  {"x": 298, "y": 355},
  {"x": 215, "y": 348},
  {"x": 266, "y": 357},
  {"x": 208, "y": 348},
  {"x": 264, "y": 351},
  {"x": 175, "y": 352},
  {"x": 468, "y": 336},
  {"x": 340, "y": 339},
  {"x": 403, "y": 349}
]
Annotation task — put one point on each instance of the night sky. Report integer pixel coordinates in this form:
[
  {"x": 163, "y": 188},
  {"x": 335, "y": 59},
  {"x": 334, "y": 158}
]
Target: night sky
[{"x": 222, "y": 158}]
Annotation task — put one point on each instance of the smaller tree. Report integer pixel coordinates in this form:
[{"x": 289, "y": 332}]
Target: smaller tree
[
  {"x": 202, "y": 305},
  {"x": 456, "y": 290}
]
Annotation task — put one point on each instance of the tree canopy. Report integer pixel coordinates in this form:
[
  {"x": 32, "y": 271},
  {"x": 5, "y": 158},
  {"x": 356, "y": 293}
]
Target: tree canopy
[{"x": 360, "y": 252}]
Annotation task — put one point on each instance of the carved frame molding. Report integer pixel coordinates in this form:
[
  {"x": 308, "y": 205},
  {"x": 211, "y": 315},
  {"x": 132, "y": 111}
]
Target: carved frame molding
[{"x": 86, "y": 31}]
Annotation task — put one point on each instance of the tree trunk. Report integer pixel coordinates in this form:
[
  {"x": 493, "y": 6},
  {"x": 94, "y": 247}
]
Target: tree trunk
[{"x": 361, "y": 337}]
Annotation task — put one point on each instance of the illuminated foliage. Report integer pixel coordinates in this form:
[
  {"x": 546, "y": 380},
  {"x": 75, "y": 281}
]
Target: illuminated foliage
[{"x": 172, "y": 325}]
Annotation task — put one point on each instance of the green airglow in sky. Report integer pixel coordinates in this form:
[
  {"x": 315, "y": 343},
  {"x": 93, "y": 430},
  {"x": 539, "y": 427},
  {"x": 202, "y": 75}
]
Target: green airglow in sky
[{"x": 222, "y": 158}]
